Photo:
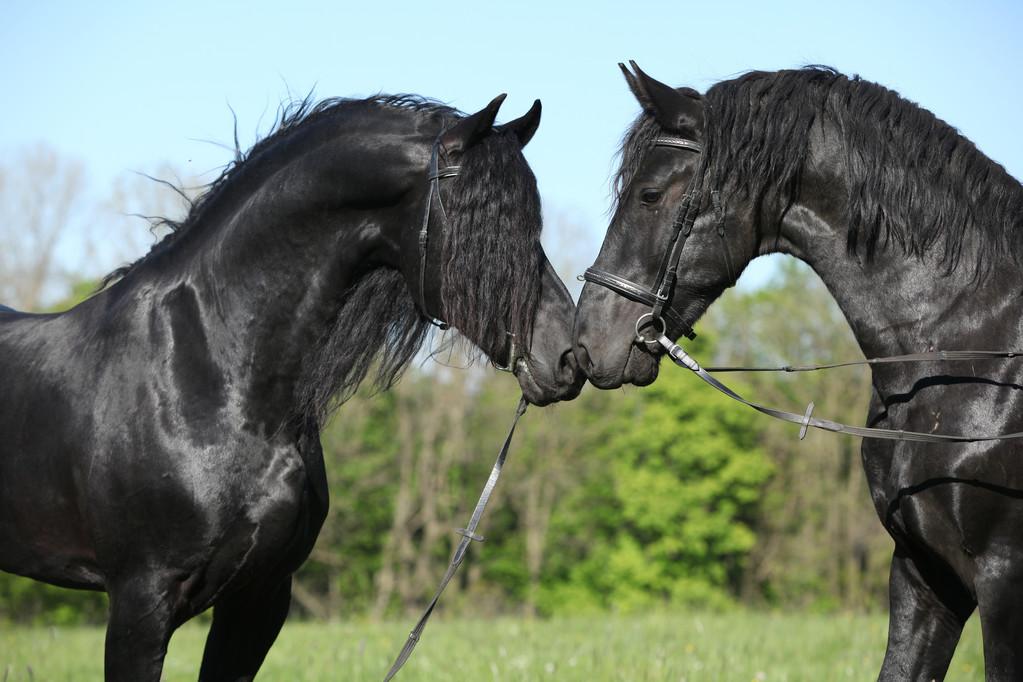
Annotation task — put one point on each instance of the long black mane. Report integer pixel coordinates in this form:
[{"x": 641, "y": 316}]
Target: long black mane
[
  {"x": 490, "y": 281},
  {"x": 490, "y": 267},
  {"x": 914, "y": 182},
  {"x": 492, "y": 256},
  {"x": 291, "y": 117}
]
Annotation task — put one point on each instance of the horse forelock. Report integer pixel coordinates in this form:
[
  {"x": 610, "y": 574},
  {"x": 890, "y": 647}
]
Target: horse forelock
[{"x": 637, "y": 140}]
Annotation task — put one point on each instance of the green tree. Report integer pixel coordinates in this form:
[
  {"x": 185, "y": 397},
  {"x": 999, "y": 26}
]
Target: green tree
[
  {"x": 673, "y": 482},
  {"x": 820, "y": 544}
]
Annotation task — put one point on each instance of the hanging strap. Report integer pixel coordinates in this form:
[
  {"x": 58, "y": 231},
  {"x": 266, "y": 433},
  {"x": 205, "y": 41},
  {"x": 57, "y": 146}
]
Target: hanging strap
[
  {"x": 805, "y": 420},
  {"x": 468, "y": 536}
]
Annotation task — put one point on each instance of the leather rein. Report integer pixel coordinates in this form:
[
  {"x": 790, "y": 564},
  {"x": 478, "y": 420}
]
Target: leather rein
[
  {"x": 469, "y": 534},
  {"x": 659, "y": 298}
]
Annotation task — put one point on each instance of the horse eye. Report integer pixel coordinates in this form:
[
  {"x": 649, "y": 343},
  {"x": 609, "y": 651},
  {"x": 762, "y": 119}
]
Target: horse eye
[{"x": 650, "y": 196}]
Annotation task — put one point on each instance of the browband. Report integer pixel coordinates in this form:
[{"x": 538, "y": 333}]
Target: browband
[{"x": 678, "y": 143}]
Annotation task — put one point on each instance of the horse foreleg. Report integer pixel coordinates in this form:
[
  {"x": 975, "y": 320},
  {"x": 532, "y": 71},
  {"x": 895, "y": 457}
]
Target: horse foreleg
[
  {"x": 928, "y": 611},
  {"x": 245, "y": 625},
  {"x": 141, "y": 621},
  {"x": 1001, "y": 619}
]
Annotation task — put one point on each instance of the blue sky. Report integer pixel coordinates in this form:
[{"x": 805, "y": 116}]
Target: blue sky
[{"x": 125, "y": 86}]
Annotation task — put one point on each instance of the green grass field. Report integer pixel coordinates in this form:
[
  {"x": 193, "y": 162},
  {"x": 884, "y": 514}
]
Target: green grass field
[{"x": 734, "y": 647}]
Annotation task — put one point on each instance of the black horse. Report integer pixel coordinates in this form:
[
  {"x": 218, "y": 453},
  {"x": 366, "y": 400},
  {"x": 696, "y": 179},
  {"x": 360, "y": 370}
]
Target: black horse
[
  {"x": 160, "y": 441},
  {"x": 914, "y": 231}
]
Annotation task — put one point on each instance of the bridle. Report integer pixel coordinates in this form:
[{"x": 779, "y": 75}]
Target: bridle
[
  {"x": 436, "y": 173},
  {"x": 659, "y": 298}
]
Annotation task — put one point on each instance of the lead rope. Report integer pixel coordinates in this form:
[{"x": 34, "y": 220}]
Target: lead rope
[
  {"x": 806, "y": 420},
  {"x": 468, "y": 536}
]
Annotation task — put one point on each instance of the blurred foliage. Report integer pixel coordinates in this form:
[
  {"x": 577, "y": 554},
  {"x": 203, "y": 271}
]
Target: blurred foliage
[
  {"x": 663, "y": 514},
  {"x": 820, "y": 544},
  {"x": 631, "y": 500}
]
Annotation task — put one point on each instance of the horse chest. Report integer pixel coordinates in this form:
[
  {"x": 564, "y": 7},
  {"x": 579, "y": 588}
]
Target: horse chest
[{"x": 270, "y": 504}]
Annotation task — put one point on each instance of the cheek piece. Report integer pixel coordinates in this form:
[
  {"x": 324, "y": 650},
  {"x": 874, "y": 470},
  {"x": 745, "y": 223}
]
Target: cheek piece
[
  {"x": 435, "y": 174},
  {"x": 659, "y": 296}
]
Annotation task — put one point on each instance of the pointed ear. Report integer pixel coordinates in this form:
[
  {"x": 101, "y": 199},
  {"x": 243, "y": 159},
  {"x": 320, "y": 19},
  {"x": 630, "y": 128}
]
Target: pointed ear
[
  {"x": 471, "y": 129},
  {"x": 634, "y": 86},
  {"x": 676, "y": 111},
  {"x": 525, "y": 126}
]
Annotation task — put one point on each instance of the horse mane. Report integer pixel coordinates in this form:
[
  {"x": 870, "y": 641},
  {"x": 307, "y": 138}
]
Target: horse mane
[
  {"x": 292, "y": 115},
  {"x": 378, "y": 322},
  {"x": 914, "y": 181},
  {"x": 491, "y": 271},
  {"x": 491, "y": 259}
]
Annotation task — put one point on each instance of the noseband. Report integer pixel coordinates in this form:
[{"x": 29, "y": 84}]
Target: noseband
[
  {"x": 659, "y": 296},
  {"x": 436, "y": 174}
]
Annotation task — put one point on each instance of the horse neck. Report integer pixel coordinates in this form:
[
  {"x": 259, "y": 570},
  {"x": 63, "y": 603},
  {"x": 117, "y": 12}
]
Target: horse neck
[
  {"x": 897, "y": 302},
  {"x": 262, "y": 276}
]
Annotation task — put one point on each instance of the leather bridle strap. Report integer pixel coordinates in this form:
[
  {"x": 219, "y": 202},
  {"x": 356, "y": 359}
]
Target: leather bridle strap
[
  {"x": 678, "y": 142},
  {"x": 468, "y": 536},
  {"x": 659, "y": 296},
  {"x": 637, "y": 293},
  {"x": 435, "y": 175},
  {"x": 806, "y": 420}
]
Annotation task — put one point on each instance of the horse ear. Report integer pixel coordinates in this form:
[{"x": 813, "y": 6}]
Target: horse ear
[
  {"x": 472, "y": 129},
  {"x": 676, "y": 111},
  {"x": 634, "y": 86},
  {"x": 525, "y": 126}
]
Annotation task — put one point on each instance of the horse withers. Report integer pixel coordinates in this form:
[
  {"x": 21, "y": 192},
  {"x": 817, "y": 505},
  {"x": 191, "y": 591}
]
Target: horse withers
[
  {"x": 160, "y": 441},
  {"x": 913, "y": 230}
]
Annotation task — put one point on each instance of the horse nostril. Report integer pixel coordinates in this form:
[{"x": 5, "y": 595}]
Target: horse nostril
[
  {"x": 568, "y": 367},
  {"x": 582, "y": 357}
]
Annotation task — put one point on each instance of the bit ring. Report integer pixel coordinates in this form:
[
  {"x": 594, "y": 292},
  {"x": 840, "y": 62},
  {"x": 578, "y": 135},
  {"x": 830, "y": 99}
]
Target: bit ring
[{"x": 654, "y": 319}]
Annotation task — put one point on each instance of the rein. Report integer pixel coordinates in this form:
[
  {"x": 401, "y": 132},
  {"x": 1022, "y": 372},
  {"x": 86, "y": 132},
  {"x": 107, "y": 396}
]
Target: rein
[
  {"x": 659, "y": 299},
  {"x": 806, "y": 420},
  {"x": 468, "y": 536}
]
